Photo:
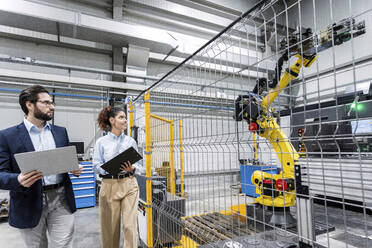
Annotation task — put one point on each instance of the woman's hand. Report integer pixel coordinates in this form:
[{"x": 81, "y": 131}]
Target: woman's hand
[{"x": 127, "y": 166}]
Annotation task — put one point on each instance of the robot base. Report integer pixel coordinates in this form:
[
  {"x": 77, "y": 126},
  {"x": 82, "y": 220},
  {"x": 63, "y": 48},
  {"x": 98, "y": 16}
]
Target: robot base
[
  {"x": 262, "y": 217},
  {"x": 282, "y": 217}
]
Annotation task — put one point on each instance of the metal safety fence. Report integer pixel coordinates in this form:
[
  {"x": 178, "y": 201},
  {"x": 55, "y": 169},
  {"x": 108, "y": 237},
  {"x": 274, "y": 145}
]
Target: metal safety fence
[{"x": 262, "y": 138}]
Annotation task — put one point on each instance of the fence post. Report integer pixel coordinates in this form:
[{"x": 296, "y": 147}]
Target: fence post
[
  {"x": 181, "y": 162},
  {"x": 148, "y": 149},
  {"x": 172, "y": 175}
]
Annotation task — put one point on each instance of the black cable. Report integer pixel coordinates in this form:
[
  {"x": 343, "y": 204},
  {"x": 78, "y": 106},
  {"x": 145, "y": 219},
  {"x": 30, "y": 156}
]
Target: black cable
[
  {"x": 278, "y": 70},
  {"x": 261, "y": 86}
]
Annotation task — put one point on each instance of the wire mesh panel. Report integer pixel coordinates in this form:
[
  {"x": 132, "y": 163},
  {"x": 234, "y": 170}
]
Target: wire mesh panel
[
  {"x": 161, "y": 147},
  {"x": 272, "y": 131}
]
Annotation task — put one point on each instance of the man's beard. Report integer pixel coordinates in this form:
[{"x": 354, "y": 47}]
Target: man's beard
[{"x": 42, "y": 116}]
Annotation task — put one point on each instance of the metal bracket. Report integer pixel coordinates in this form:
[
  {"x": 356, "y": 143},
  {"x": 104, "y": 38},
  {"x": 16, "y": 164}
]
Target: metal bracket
[{"x": 301, "y": 190}]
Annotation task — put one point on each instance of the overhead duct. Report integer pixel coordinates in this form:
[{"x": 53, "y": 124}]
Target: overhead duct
[
  {"x": 136, "y": 62},
  {"x": 40, "y": 17}
]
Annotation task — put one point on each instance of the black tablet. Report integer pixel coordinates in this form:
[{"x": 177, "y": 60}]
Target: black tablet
[{"x": 113, "y": 166}]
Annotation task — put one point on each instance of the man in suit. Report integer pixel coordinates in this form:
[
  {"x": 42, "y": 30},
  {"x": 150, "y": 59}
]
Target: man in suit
[{"x": 38, "y": 204}]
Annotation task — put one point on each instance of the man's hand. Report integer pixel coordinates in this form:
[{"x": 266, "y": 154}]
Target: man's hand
[
  {"x": 29, "y": 178},
  {"x": 77, "y": 172},
  {"x": 127, "y": 166}
]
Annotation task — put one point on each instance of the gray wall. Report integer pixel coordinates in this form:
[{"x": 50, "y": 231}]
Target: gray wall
[
  {"x": 54, "y": 54},
  {"x": 76, "y": 114}
]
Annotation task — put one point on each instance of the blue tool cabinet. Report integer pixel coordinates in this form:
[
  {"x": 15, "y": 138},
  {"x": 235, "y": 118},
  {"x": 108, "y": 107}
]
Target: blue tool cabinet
[{"x": 84, "y": 186}]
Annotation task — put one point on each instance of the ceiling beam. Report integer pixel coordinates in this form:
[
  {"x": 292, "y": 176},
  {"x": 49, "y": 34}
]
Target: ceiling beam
[
  {"x": 229, "y": 13},
  {"x": 208, "y": 8},
  {"x": 147, "y": 11}
]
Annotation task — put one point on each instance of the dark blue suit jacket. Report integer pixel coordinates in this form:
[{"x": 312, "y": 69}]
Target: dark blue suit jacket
[{"x": 26, "y": 204}]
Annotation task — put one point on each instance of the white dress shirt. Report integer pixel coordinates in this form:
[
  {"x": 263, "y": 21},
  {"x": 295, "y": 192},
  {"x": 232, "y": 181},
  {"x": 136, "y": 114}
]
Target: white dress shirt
[
  {"x": 109, "y": 146},
  {"x": 43, "y": 140}
]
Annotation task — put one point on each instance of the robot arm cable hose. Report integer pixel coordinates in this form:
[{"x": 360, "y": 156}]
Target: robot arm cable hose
[{"x": 287, "y": 77}]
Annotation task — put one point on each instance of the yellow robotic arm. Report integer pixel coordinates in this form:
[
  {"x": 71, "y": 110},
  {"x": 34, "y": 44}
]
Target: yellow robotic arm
[
  {"x": 278, "y": 190},
  {"x": 289, "y": 74}
]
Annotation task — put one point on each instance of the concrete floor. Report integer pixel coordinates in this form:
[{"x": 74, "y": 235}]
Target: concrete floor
[
  {"x": 214, "y": 196},
  {"x": 353, "y": 229},
  {"x": 87, "y": 231}
]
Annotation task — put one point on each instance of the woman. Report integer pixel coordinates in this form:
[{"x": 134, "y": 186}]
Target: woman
[{"x": 118, "y": 197}]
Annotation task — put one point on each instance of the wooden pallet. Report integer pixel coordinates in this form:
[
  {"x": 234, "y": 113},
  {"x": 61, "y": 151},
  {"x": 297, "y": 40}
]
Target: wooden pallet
[{"x": 213, "y": 227}]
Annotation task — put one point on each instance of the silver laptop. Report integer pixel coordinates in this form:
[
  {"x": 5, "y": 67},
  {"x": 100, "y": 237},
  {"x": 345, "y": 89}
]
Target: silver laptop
[{"x": 49, "y": 162}]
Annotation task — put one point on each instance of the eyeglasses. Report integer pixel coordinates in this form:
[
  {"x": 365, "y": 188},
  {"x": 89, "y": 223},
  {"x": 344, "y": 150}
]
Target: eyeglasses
[{"x": 48, "y": 103}]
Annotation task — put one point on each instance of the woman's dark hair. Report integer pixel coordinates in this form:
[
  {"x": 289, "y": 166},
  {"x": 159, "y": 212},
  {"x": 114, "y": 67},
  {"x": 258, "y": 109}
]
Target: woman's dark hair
[
  {"x": 30, "y": 94},
  {"x": 104, "y": 116}
]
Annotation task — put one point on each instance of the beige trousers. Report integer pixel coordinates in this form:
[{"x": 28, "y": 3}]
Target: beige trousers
[{"x": 118, "y": 203}]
